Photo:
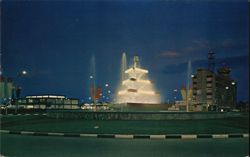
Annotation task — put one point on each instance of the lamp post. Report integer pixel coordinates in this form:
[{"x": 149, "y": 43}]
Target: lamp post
[
  {"x": 18, "y": 88},
  {"x": 175, "y": 94},
  {"x": 108, "y": 92},
  {"x": 92, "y": 89}
]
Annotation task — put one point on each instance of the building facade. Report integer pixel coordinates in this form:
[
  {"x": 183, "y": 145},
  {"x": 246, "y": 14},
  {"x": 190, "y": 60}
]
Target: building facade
[
  {"x": 213, "y": 91},
  {"x": 48, "y": 102}
]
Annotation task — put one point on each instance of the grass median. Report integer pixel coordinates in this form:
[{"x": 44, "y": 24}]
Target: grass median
[{"x": 44, "y": 124}]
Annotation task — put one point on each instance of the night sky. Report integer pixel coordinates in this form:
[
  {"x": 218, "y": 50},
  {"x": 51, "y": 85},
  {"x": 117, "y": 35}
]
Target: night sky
[{"x": 54, "y": 42}]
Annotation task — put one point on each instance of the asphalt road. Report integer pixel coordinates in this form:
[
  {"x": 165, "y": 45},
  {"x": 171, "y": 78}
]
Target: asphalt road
[{"x": 43, "y": 146}]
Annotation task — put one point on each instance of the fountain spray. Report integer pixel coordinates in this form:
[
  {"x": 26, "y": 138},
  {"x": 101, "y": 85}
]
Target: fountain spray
[{"x": 189, "y": 69}]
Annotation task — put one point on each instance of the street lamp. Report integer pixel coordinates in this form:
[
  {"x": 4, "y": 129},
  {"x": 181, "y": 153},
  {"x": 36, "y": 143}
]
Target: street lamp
[
  {"x": 175, "y": 94},
  {"x": 24, "y": 72},
  {"x": 21, "y": 74},
  {"x": 18, "y": 88}
]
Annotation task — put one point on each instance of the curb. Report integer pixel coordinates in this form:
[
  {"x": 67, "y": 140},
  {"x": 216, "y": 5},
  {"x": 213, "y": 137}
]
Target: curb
[{"x": 123, "y": 136}]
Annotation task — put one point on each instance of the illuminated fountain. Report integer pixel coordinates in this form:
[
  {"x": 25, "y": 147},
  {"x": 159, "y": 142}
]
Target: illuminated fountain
[{"x": 135, "y": 88}]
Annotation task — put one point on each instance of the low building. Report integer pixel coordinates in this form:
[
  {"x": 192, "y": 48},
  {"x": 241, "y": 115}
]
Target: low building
[
  {"x": 48, "y": 102},
  {"x": 213, "y": 91}
]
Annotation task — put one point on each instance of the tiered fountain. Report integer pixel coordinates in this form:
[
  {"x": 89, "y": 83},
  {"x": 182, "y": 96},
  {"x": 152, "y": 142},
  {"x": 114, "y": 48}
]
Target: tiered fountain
[{"x": 135, "y": 88}]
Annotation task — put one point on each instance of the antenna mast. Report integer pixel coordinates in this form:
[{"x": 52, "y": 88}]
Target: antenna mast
[{"x": 211, "y": 59}]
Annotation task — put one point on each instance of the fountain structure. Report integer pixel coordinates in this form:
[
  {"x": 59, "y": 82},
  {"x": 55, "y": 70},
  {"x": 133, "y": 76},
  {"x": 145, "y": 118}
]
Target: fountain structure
[{"x": 135, "y": 88}]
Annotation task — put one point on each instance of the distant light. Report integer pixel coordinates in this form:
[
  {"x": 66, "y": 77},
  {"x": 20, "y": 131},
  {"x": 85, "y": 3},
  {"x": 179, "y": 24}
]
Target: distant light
[
  {"x": 90, "y": 76},
  {"x": 233, "y": 83},
  {"x": 89, "y": 98},
  {"x": 192, "y": 76},
  {"x": 175, "y": 90},
  {"x": 109, "y": 91},
  {"x": 221, "y": 110},
  {"x": 24, "y": 72},
  {"x": 227, "y": 87},
  {"x": 106, "y": 85}
]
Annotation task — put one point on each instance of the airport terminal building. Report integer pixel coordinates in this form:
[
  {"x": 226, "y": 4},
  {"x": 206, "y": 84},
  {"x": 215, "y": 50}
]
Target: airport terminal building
[{"x": 47, "y": 102}]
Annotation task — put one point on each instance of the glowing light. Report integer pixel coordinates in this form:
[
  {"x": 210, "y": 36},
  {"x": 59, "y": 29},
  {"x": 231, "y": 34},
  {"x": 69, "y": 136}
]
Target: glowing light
[
  {"x": 29, "y": 106},
  {"x": 233, "y": 83},
  {"x": 106, "y": 85},
  {"x": 192, "y": 76},
  {"x": 136, "y": 69},
  {"x": 91, "y": 77},
  {"x": 24, "y": 72},
  {"x": 54, "y": 96},
  {"x": 46, "y": 96},
  {"x": 109, "y": 91},
  {"x": 227, "y": 87}
]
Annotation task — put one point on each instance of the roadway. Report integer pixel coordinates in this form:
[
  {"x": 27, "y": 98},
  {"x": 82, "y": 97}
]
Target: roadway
[{"x": 44, "y": 146}]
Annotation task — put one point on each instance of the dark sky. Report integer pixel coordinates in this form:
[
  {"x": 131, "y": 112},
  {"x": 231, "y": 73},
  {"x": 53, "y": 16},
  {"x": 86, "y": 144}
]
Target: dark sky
[{"x": 54, "y": 42}]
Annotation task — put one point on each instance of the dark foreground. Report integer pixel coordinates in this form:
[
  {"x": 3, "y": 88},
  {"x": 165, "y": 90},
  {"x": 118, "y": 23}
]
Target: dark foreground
[{"x": 43, "y": 146}]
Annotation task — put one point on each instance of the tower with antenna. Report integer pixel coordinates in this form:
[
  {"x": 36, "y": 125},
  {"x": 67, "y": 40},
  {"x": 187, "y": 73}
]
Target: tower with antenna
[{"x": 211, "y": 60}]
